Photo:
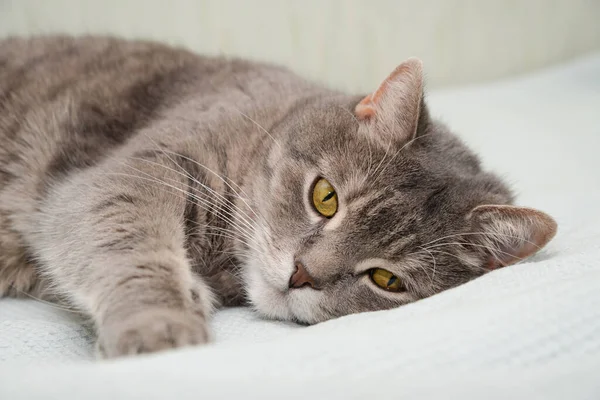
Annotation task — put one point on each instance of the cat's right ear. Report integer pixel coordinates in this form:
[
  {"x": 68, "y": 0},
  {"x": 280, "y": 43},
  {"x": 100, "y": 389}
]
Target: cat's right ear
[
  {"x": 392, "y": 111},
  {"x": 509, "y": 234}
]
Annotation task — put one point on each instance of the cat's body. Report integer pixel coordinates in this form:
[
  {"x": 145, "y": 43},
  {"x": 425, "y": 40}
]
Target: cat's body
[{"x": 144, "y": 185}]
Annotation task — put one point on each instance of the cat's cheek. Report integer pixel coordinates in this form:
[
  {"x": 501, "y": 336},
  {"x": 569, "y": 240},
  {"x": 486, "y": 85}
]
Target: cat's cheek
[
  {"x": 266, "y": 300},
  {"x": 305, "y": 305}
]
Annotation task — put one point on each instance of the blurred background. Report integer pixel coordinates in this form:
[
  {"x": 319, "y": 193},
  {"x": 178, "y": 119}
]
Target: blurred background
[
  {"x": 518, "y": 79},
  {"x": 349, "y": 44}
]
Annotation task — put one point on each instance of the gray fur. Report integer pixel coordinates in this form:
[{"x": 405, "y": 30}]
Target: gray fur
[{"x": 144, "y": 186}]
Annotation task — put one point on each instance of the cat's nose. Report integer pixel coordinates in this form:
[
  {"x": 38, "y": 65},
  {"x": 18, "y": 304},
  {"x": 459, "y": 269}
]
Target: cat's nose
[{"x": 301, "y": 278}]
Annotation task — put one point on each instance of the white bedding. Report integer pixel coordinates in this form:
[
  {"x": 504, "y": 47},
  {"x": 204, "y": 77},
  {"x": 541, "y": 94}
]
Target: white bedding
[{"x": 529, "y": 331}]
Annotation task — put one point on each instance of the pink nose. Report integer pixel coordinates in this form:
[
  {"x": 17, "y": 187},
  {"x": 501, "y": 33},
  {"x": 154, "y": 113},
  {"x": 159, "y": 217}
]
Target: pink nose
[{"x": 301, "y": 278}]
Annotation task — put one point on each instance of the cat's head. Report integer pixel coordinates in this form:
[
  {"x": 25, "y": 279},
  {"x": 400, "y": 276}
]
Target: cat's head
[{"x": 369, "y": 204}]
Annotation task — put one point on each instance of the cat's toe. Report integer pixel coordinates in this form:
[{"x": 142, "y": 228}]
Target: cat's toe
[{"x": 151, "y": 331}]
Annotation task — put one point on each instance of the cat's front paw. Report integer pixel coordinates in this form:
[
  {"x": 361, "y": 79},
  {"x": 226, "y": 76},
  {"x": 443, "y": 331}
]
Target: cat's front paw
[{"x": 150, "y": 331}]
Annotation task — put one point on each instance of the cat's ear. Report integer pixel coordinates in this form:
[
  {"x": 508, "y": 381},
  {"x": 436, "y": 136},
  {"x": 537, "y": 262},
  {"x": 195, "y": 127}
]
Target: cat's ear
[
  {"x": 392, "y": 111},
  {"x": 509, "y": 234}
]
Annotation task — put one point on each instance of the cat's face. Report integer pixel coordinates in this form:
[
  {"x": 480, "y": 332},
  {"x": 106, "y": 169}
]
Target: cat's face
[{"x": 358, "y": 213}]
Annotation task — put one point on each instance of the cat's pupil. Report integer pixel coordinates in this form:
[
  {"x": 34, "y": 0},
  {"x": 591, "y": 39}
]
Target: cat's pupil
[
  {"x": 392, "y": 280},
  {"x": 329, "y": 196}
]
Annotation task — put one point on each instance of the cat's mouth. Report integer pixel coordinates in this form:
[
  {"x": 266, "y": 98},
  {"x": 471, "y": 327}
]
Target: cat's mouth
[{"x": 270, "y": 295}]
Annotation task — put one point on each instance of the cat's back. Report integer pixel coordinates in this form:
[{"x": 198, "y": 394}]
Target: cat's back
[
  {"x": 96, "y": 81},
  {"x": 65, "y": 102}
]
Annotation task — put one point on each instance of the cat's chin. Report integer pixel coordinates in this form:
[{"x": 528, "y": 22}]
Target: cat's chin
[{"x": 281, "y": 303}]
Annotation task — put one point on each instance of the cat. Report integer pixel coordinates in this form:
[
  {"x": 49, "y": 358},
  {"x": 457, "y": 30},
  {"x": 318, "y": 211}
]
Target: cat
[{"x": 145, "y": 186}]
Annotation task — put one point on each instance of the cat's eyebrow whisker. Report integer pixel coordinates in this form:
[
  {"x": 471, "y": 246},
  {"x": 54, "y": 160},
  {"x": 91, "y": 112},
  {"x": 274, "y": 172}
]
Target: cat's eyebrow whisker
[
  {"x": 493, "y": 234},
  {"x": 370, "y": 165},
  {"x": 382, "y": 159},
  {"x": 370, "y": 162},
  {"x": 489, "y": 248},
  {"x": 430, "y": 254},
  {"x": 459, "y": 258},
  {"x": 400, "y": 150},
  {"x": 258, "y": 125},
  {"x": 349, "y": 113},
  {"x": 434, "y": 265},
  {"x": 421, "y": 266}
]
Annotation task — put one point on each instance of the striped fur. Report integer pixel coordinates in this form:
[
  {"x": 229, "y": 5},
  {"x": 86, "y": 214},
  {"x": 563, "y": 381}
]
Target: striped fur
[{"x": 143, "y": 185}]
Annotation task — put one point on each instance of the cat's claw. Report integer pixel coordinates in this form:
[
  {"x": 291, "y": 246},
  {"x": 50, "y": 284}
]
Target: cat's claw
[{"x": 151, "y": 331}]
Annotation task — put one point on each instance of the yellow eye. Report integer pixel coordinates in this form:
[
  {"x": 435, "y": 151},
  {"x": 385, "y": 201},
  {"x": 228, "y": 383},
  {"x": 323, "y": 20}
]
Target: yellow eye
[
  {"x": 386, "y": 280},
  {"x": 324, "y": 198}
]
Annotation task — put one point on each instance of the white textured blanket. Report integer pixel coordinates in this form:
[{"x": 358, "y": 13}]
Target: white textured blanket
[{"x": 530, "y": 331}]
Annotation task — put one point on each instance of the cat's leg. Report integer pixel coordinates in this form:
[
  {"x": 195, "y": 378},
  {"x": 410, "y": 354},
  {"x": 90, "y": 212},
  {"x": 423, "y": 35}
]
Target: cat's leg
[{"x": 112, "y": 239}]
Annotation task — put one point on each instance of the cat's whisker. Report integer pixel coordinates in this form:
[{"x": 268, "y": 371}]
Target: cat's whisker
[
  {"x": 203, "y": 200},
  {"x": 382, "y": 159},
  {"x": 349, "y": 113},
  {"x": 370, "y": 161},
  {"x": 53, "y": 305},
  {"x": 434, "y": 265},
  {"x": 203, "y": 206},
  {"x": 197, "y": 163},
  {"x": 211, "y": 228},
  {"x": 420, "y": 265},
  {"x": 258, "y": 125},
  {"x": 251, "y": 241},
  {"x": 400, "y": 150},
  {"x": 462, "y": 260},
  {"x": 221, "y": 234},
  {"x": 244, "y": 217},
  {"x": 224, "y": 180},
  {"x": 489, "y": 248},
  {"x": 493, "y": 234}
]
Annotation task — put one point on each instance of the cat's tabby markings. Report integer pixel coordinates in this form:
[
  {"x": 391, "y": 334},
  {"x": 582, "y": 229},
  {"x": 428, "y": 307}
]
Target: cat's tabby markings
[{"x": 143, "y": 186}]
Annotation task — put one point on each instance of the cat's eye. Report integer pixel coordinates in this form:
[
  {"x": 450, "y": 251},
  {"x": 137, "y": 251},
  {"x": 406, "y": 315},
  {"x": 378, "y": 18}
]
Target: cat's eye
[
  {"x": 324, "y": 198},
  {"x": 386, "y": 280}
]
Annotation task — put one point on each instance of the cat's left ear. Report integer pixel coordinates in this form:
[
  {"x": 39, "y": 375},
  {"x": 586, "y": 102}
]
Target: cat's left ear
[
  {"x": 509, "y": 234},
  {"x": 392, "y": 111}
]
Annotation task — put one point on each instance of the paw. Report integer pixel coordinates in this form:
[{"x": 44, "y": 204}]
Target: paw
[{"x": 150, "y": 331}]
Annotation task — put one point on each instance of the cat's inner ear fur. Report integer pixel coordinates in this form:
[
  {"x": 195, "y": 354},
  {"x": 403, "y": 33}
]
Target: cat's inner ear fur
[
  {"x": 509, "y": 234},
  {"x": 392, "y": 111}
]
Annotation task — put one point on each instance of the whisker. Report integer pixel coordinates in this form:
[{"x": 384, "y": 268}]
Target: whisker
[
  {"x": 219, "y": 196},
  {"x": 223, "y": 180},
  {"x": 382, "y": 159},
  {"x": 203, "y": 206},
  {"x": 257, "y": 124},
  {"x": 398, "y": 152},
  {"x": 496, "y": 234},
  {"x": 459, "y": 259},
  {"x": 231, "y": 234},
  {"x": 197, "y": 163},
  {"x": 434, "y": 265},
  {"x": 54, "y": 305},
  {"x": 492, "y": 250}
]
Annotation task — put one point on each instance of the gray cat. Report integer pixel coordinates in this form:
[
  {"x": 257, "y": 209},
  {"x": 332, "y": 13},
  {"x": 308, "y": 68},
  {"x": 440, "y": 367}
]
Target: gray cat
[{"x": 145, "y": 186}]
